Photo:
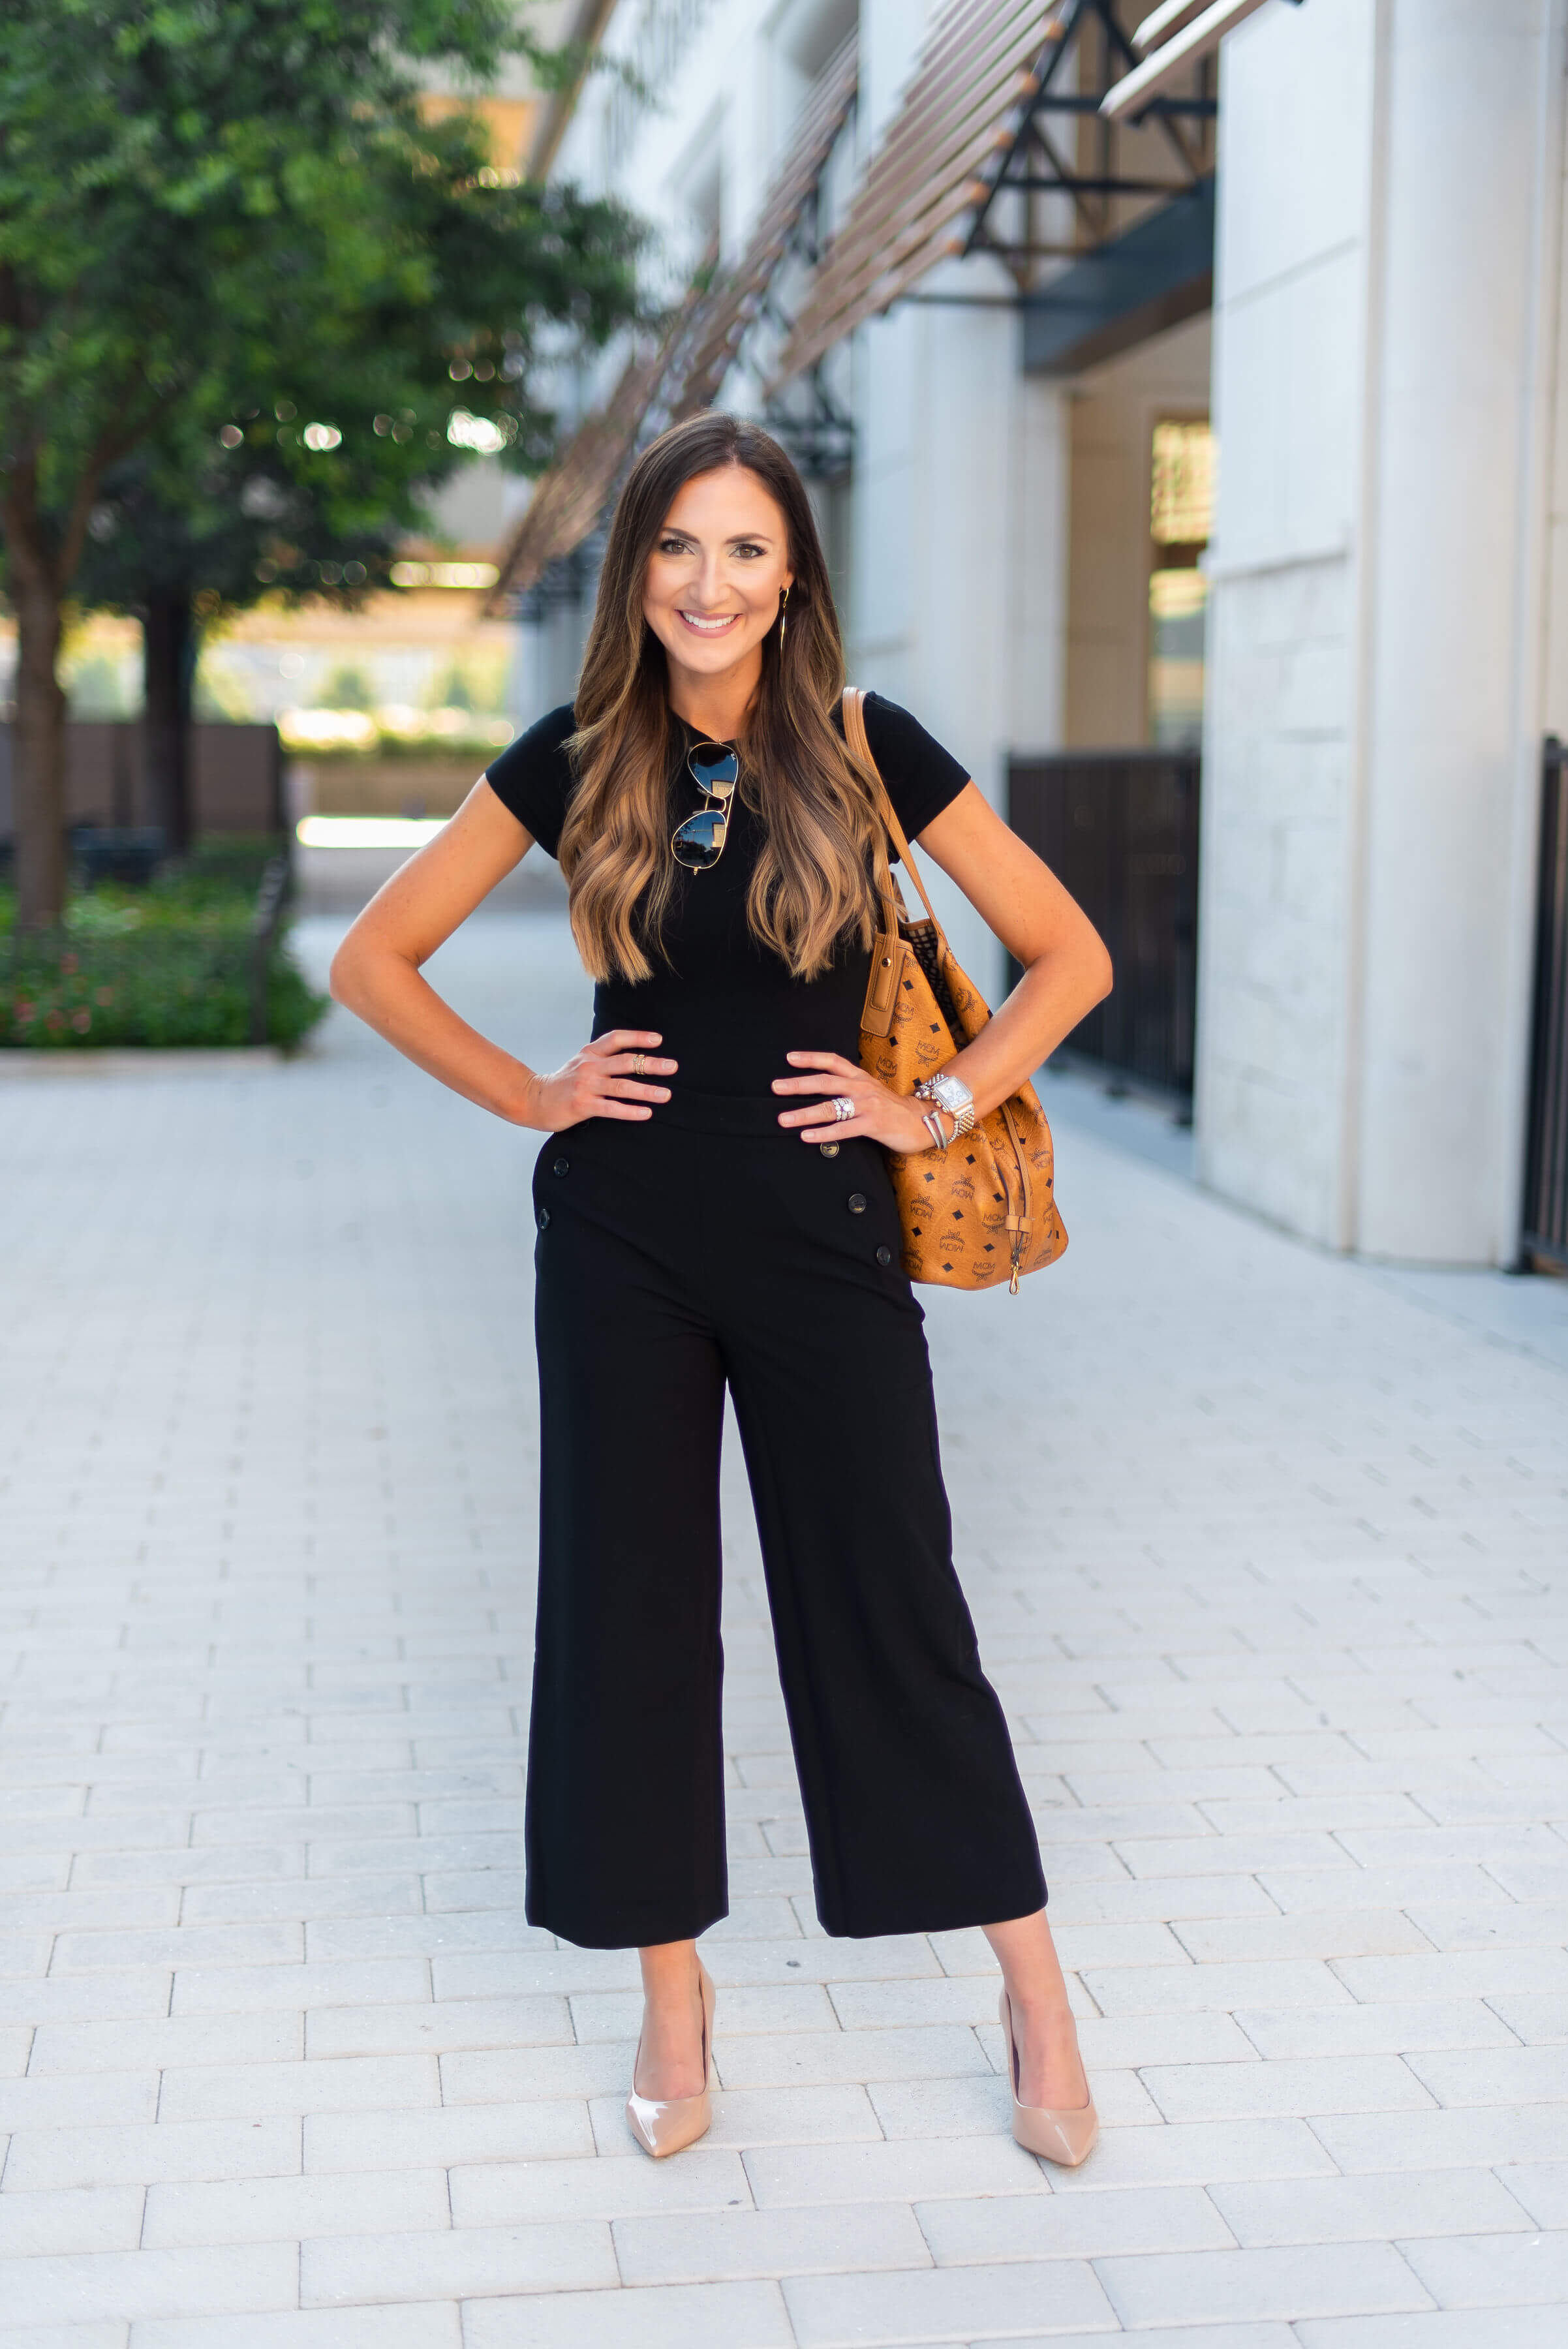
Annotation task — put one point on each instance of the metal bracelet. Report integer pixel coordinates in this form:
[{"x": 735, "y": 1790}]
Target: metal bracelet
[
  {"x": 933, "y": 1088},
  {"x": 933, "y": 1121}
]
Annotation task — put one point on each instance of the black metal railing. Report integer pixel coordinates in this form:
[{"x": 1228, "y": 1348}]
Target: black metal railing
[
  {"x": 1546, "y": 1164},
  {"x": 1119, "y": 829},
  {"x": 272, "y": 898}
]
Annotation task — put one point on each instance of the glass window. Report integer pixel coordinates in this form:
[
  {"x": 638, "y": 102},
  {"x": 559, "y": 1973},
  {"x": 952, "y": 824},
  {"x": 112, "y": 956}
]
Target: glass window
[{"x": 1181, "y": 508}]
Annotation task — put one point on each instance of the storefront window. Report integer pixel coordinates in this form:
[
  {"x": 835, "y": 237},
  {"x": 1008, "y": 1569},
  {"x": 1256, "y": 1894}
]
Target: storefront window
[{"x": 1181, "y": 505}]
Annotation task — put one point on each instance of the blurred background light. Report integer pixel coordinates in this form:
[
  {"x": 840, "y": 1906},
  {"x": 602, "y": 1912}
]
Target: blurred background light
[
  {"x": 477, "y": 432},
  {"x": 444, "y": 575},
  {"x": 367, "y": 831}
]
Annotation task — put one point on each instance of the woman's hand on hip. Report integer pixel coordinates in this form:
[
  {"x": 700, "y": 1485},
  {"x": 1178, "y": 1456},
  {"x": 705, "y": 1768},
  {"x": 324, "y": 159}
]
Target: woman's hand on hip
[
  {"x": 605, "y": 1079},
  {"x": 880, "y": 1114}
]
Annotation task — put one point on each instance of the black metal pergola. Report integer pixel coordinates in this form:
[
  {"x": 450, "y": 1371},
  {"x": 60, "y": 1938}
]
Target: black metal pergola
[{"x": 1064, "y": 147}]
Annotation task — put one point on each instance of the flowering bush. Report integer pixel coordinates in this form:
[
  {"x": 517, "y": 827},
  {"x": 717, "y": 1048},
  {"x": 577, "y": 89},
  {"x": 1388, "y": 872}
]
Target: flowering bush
[{"x": 172, "y": 964}]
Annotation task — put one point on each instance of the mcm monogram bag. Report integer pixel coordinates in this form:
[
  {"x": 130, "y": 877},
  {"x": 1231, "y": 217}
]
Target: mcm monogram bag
[{"x": 983, "y": 1210}]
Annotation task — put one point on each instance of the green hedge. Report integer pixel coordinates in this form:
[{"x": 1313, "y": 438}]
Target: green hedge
[
  {"x": 421, "y": 750},
  {"x": 169, "y": 964}
]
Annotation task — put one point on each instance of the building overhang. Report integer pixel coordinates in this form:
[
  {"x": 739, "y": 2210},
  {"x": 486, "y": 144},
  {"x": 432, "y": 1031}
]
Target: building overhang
[
  {"x": 1156, "y": 274},
  {"x": 995, "y": 147},
  {"x": 1029, "y": 131}
]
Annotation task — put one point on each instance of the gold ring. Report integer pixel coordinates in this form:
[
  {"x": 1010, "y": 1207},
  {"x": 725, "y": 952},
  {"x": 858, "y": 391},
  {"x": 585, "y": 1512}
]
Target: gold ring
[{"x": 638, "y": 1065}]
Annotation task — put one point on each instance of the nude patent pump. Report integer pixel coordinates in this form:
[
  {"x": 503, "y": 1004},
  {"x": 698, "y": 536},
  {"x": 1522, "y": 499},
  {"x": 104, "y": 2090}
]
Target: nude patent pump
[
  {"x": 1060, "y": 2136},
  {"x": 668, "y": 2127}
]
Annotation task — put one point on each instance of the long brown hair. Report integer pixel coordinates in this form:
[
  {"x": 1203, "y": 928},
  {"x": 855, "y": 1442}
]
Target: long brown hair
[{"x": 810, "y": 887}]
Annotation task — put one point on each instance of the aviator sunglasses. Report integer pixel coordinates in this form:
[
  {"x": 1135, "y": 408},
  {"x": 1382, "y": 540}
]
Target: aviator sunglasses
[{"x": 699, "y": 842}]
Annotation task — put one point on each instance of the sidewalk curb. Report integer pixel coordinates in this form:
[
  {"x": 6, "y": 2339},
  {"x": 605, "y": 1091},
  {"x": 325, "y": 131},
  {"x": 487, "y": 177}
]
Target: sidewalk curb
[{"x": 118, "y": 1060}]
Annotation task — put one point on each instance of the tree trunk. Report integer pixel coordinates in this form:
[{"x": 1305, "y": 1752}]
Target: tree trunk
[
  {"x": 39, "y": 745},
  {"x": 169, "y": 669}
]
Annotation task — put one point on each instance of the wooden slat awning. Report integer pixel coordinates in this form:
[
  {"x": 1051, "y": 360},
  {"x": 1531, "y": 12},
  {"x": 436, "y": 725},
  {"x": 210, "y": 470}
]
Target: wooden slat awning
[
  {"x": 733, "y": 304},
  {"x": 982, "y": 63},
  {"x": 569, "y": 497},
  {"x": 684, "y": 370}
]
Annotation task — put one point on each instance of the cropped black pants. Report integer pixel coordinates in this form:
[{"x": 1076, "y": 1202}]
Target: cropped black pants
[{"x": 709, "y": 1246}]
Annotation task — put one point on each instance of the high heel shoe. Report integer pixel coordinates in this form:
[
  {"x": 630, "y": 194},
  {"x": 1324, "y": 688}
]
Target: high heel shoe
[
  {"x": 667, "y": 2127},
  {"x": 1062, "y": 2136}
]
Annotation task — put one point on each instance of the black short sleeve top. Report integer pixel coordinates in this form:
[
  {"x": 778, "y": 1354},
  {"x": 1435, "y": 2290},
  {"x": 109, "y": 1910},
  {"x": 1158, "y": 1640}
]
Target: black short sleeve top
[{"x": 726, "y": 1006}]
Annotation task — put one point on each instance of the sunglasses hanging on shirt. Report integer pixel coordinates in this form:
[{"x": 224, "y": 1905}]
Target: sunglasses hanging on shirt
[{"x": 699, "y": 842}]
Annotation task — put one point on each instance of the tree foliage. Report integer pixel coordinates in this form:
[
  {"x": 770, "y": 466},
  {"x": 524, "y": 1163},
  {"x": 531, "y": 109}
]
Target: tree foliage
[{"x": 236, "y": 216}]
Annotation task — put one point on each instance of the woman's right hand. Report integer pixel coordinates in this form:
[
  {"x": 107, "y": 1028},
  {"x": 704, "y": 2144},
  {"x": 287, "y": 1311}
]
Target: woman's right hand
[{"x": 599, "y": 1082}]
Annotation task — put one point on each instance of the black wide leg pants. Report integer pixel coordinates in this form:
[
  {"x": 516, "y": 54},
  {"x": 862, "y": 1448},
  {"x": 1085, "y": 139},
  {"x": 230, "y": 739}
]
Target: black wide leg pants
[{"x": 709, "y": 1246}]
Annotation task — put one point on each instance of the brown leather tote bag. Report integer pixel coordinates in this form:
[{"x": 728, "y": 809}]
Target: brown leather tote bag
[{"x": 984, "y": 1210}]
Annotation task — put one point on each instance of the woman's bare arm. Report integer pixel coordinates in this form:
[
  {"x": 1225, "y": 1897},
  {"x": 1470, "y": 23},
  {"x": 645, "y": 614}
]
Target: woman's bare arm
[
  {"x": 376, "y": 973},
  {"x": 1067, "y": 969}
]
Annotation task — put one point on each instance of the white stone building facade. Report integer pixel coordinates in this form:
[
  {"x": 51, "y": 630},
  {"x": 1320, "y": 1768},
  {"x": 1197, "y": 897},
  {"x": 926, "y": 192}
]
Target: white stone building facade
[
  {"x": 1387, "y": 582},
  {"x": 1389, "y": 627}
]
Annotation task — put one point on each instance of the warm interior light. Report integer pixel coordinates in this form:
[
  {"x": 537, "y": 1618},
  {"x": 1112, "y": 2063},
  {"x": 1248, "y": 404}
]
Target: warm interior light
[
  {"x": 1177, "y": 595},
  {"x": 1182, "y": 489}
]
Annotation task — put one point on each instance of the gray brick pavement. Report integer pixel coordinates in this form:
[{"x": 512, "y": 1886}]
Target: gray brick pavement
[{"x": 1266, "y": 1552}]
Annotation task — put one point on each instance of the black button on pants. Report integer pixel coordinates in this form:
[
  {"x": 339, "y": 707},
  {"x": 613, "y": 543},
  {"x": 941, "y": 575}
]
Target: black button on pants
[{"x": 675, "y": 1262}]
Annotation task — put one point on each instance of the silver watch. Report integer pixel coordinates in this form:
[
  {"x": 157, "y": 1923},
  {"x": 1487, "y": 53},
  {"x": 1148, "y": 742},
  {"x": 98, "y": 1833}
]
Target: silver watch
[{"x": 950, "y": 1094}]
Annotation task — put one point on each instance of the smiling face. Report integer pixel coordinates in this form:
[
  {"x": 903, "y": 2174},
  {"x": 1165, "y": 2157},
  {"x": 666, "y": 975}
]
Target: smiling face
[{"x": 718, "y": 569}]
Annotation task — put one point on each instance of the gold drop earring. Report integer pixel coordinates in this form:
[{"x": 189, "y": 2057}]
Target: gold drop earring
[{"x": 783, "y": 617}]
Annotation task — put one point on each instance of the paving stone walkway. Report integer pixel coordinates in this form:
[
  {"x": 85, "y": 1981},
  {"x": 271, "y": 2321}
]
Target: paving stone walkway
[{"x": 1267, "y": 1553}]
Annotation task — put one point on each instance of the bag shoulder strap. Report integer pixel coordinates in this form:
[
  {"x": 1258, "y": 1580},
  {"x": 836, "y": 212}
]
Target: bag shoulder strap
[{"x": 859, "y": 742}]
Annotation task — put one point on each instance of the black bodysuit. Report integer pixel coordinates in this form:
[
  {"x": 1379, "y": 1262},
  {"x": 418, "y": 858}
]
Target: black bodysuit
[
  {"x": 706, "y": 1250},
  {"x": 726, "y": 1007}
]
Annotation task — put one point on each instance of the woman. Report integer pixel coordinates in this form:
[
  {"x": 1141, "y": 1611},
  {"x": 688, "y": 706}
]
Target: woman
[{"x": 713, "y": 1210}]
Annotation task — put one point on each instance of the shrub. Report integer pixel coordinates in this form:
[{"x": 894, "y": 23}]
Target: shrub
[{"x": 172, "y": 964}]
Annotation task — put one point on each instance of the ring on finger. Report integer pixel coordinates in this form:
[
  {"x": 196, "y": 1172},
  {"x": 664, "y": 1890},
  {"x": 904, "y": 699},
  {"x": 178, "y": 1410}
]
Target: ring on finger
[
  {"x": 842, "y": 1108},
  {"x": 638, "y": 1064}
]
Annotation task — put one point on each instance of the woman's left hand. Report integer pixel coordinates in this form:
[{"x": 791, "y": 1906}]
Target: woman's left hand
[{"x": 880, "y": 1114}]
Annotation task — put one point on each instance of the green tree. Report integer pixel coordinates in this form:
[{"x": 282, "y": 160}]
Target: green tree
[
  {"x": 230, "y": 217},
  {"x": 181, "y": 537},
  {"x": 203, "y": 523}
]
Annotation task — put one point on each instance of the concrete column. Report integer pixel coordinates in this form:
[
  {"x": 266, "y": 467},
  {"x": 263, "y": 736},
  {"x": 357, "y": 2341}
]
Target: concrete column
[
  {"x": 1384, "y": 337},
  {"x": 958, "y": 510},
  {"x": 959, "y": 546}
]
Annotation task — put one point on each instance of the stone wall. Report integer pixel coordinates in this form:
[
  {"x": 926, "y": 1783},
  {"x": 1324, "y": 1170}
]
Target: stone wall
[{"x": 1384, "y": 341}]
